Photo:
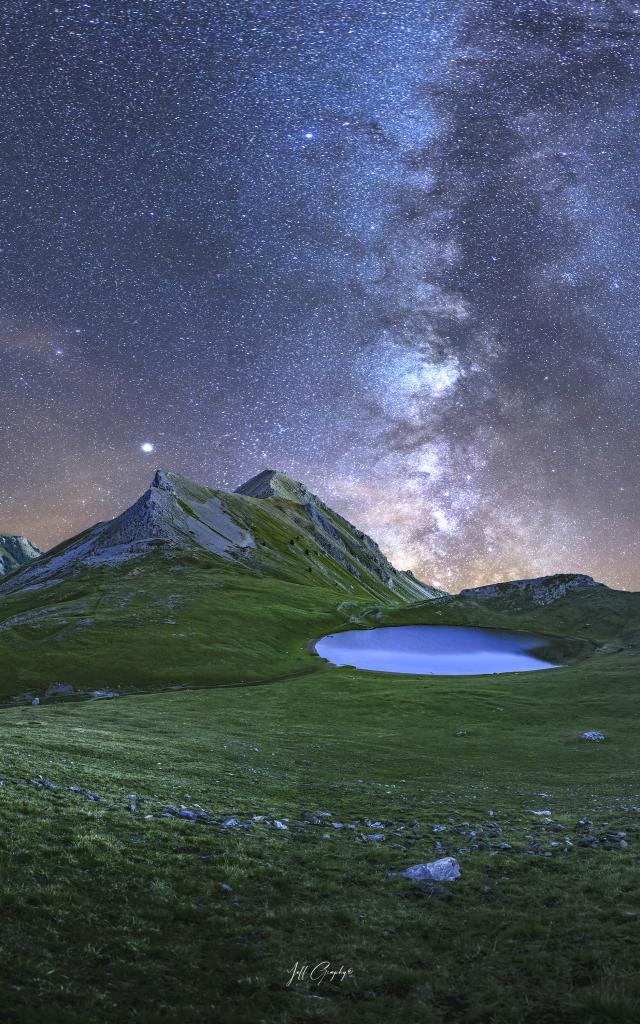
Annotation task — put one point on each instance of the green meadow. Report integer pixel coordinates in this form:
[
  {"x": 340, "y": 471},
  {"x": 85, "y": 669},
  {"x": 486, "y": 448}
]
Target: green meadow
[{"x": 144, "y": 877}]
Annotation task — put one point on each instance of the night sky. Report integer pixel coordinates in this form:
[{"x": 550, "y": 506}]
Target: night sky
[{"x": 390, "y": 248}]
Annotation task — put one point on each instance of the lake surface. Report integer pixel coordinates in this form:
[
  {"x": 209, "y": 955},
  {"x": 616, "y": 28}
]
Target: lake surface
[{"x": 435, "y": 650}]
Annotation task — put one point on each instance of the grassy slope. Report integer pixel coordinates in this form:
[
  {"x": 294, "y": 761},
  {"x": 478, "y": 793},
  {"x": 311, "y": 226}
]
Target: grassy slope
[
  {"x": 111, "y": 915},
  {"x": 183, "y": 616}
]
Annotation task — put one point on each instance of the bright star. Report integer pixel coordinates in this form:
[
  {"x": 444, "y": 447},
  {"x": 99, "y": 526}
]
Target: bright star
[
  {"x": 309, "y": 135},
  {"x": 146, "y": 446}
]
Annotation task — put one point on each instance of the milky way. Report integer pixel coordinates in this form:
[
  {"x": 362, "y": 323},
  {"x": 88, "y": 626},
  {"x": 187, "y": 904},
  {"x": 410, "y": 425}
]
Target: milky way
[{"x": 389, "y": 248}]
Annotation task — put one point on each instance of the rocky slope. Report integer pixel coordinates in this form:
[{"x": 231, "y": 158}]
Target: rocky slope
[
  {"x": 349, "y": 547},
  {"x": 15, "y": 551},
  {"x": 520, "y": 594}
]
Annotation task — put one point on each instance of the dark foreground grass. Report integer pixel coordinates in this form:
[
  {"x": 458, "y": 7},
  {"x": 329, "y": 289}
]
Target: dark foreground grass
[{"x": 112, "y": 911}]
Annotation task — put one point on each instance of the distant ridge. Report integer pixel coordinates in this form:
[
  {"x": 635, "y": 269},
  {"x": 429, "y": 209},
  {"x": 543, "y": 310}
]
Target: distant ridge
[
  {"x": 539, "y": 591},
  {"x": 16, "y": 550}
]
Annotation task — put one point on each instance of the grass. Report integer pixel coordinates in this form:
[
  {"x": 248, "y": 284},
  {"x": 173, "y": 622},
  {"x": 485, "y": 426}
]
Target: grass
[{"x": 112, "y": 910}]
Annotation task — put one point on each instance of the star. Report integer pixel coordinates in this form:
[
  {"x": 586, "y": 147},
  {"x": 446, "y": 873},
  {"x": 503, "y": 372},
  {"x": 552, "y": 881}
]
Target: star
[{"x": 147, "y": 447}]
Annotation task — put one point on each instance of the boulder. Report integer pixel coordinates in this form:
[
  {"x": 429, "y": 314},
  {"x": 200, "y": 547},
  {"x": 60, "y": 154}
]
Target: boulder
[{"x": 444, "y": 870}]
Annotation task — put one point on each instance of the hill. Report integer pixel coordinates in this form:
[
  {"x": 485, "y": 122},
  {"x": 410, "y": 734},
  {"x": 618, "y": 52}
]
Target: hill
[{"x": 192, "y": 585}]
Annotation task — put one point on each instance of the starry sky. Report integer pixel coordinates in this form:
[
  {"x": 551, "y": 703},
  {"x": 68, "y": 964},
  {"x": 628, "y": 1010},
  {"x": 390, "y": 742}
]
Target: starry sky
[{"x": 390, "y": 248}]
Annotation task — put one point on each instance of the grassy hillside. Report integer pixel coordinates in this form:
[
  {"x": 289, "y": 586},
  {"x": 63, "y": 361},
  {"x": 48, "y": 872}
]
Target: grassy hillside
[
  {"x": 113, "y": 910},
  {"x": 190, "y": 586},
  {"x": 171, "y": 855},
  {"x": 164, "y": 621}
]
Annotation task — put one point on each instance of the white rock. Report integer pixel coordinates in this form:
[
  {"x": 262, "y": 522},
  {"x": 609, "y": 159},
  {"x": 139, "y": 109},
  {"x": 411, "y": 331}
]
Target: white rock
[
  {"x": 594, "y": 735},
  {"x": 444, "y": 870}
]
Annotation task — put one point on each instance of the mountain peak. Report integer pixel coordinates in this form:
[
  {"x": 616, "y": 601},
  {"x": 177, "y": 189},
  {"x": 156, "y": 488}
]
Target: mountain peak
[{"x": 272, "y": 484}]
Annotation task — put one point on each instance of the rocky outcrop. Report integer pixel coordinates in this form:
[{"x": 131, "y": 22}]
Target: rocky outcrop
[
  {"x": 15, "y": 551},
  {"x": 540, "y": 591}
]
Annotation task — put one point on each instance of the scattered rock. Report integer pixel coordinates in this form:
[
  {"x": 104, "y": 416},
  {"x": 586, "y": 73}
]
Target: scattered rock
[
  {"x": 104, "y": 694},
  {"x": 594, "y": 735},
  {"x": 44, "y": 783},
  {"x": 59, "y": 690},
  {"x": 588, "y": 841},
  {"x": 224, "y": 887},
  {"x": 36, "y": 700},
  {"x": 230, "y": 823},
  {"x": 281, "y": 825},
  {"x": 372, "y": 837},
  {"x": 444, "y": 870},
  {"x": 542, "y": 814}
]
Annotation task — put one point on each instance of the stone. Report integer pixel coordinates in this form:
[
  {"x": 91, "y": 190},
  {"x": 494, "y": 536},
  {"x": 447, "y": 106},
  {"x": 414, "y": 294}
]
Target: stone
[
  {"x": 230, "y": 822},
  {"x": 311, "y": 819},
  {"x": 593, "y": 735},
  {"x": 281, "y": 825},
  {"x": 588, "y": 841},
  {"x": 45, "y": 783},
  {"x": 224, "y": 887},
  {"x": 444, "y": 870},
  {"x": 59, "y": 690},
  {"x": 35, "y": 701}
]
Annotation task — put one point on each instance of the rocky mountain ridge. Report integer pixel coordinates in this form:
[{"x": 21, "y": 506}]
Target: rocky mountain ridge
[
  {"x": 16, "y": 550},
  {"x": 539, "y": 591},
  {"x": 271, "y": 525}
]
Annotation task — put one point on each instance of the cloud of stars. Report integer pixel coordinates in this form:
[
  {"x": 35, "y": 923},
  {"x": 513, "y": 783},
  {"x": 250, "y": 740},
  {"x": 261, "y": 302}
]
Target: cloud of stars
[{"x": 388, "y": 248}]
